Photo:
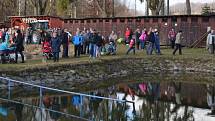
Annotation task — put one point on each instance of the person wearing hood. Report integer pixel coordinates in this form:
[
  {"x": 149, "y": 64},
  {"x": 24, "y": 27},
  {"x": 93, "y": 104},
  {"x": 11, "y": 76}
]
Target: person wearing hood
[
  {"x": 77, "y": 41},
  {"x": 19, "y": 45}
]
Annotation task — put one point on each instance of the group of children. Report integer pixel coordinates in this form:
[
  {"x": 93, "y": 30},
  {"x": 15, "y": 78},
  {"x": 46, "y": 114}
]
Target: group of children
[{"x": 141, "y": 39}]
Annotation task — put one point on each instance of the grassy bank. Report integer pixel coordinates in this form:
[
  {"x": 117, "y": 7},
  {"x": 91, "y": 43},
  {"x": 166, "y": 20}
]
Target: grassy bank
[{"x": 200, "y": 55}]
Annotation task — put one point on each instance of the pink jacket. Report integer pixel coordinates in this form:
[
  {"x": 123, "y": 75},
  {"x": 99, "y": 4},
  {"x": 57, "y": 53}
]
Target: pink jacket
[
  {"x": 132, "y": 42},
  {"x": 143, "y": 37}
]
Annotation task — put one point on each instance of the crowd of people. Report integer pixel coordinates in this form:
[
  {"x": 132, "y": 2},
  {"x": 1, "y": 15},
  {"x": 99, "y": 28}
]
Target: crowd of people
[{"x": 91, "y": 42}]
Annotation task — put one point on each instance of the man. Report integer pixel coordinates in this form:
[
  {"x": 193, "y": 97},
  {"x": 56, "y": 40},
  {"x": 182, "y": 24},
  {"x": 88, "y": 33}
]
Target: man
[
  {"x": 65, "y": 43},
  {"x": 157, "y": 42},
  {"x": 178, "y": 41},
  {"x": 211, "y": 42},
  {"x": 77, "y": 41},
  {"x": 172, "y": 37},
  {"x": 19, "y": 45},
  {"x": 151, "y": 45},
  {"x": 93, "y": 41}
]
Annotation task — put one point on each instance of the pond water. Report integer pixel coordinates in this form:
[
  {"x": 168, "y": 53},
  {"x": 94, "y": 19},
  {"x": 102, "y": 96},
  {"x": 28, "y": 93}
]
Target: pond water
[{"x": 147, "y": 100}]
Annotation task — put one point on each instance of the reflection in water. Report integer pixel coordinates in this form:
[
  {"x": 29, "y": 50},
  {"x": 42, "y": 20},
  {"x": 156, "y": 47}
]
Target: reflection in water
[{"x": 153, "y": 101}]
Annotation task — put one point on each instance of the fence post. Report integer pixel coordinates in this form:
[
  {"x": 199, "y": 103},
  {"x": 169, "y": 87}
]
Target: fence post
[
  {"x": 9, "y": 89},
  {"x": 41, "y": 103}
]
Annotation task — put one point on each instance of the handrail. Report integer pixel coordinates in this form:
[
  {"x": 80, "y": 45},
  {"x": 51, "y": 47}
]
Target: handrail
[
  {"x": 199, "y": 40},
  {"x": 63, "y": 91}
]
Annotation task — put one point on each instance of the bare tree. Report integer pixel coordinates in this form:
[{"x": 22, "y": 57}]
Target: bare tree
[{"x": 188, "y": 6}]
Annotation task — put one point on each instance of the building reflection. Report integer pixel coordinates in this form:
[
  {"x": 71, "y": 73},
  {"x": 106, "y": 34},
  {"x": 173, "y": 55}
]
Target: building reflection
[{"x": 157, "y": 101}]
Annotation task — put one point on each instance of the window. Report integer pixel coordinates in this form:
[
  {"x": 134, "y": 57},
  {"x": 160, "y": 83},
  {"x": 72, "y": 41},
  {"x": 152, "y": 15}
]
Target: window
[
  {"x": 184, "y": 19},
  {"x": 114, "y": 20},
  {"x": 138, "y": 20},
  {"x": 146, "y": 20},
  {"x": 194, "y": 19},
  {"x": 155, "y": 20},
  {"x": 82, "y": 21},
  {"x": 122, "y": 20},
  {"x": 100, "y": 20},
  {"x": 76, "y": 21},
  {"x": 205, "y": 19},
  {"x": 164, "y": 19},
  {"x": 129, "y": 20},
  {"x": 88, "y": 21},
  {"x": 107, "y": 20},
  {"x": 94, "y": 20},
  {"x": 174, "y": 19}
]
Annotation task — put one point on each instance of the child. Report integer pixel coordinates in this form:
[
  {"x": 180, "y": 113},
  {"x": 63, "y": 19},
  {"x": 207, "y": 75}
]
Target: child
[{"x": 132, "y": 45}]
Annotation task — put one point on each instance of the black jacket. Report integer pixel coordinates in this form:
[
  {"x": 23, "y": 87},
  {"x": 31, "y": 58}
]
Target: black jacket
[
  {"x": 64, "y": 38},
  {"x": 19, "y": 42}
]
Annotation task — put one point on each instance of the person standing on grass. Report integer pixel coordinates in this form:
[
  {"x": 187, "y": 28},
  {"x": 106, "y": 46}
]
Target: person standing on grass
[
  {"x": 55, "y": 44},
  {"x": 172, "y": 37},
  {"x": 77, "y": 41},
  {"x": 93, "y": 42},
  {"x": 143, "y": 38},
  {"x": 178, "y": 41},
  {"x": 131, "y": 45},
  {"x": 19, "y": 45},
  {"x": 138, "y": 34},
  {"x": 151, "y": 36},
  {"x": 65, "y": 43},
  {"x": 211, "y": 42},
  {"x": 157, "y": 42}
]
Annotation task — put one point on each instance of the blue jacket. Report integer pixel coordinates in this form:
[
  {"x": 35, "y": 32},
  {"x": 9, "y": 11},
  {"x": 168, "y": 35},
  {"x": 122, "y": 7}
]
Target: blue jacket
[
  {"x": 55, "y": 43},
  {"x": 4, "y": 45},
  {"x": 77, "y": 40}
]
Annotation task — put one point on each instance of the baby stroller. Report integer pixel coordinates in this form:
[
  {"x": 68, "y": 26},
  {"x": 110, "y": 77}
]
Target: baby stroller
[
  {"x": 47, "y": 50},
  {"x": 111, "y": 48},
  {"x": 6, "y": 55}
]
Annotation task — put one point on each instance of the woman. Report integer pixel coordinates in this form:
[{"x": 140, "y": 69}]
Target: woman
[{"x": 19, "y": 45}]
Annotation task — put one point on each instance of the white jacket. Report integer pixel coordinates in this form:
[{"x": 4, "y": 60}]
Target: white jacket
[{"x": 210, "y": 39}]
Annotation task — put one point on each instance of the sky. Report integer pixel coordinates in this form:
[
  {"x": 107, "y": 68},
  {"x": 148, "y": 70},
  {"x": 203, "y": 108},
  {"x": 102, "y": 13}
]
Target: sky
[{"x": 141, "y": 7}]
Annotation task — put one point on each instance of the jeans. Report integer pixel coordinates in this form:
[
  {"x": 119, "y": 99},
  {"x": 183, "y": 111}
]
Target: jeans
[
  {"x": 178, "y": 47},
  {"x": 131, "y": 48},
  {"x": 65, "y": 51},
  {"x": 172, "y": 43},
  {"x": 142, "y": 43},
  {"x": 86, "y": 48},
  {"x": 56, "y": 56},
  {"x": 150, "y": 48},
  {"x": 92, "y": 50},
  {"x": 157, "y": 46},
  {"x": 77, "y": 50}
]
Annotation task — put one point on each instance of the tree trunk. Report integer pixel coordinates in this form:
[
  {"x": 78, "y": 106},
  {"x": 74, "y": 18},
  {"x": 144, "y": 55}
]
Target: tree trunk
[
  {"x": 188, "y": 7},
  {"x": 167, "y": 7},
  {"x": 154, "y": 12},
  {"x": 147, "y": 8}
]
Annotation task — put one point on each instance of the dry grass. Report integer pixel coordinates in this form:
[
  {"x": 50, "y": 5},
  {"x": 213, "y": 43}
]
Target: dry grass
[{"x": 188, "y": 54}]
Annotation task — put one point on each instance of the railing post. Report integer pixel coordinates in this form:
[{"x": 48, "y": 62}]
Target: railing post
[
  {"x": 41, "y": 103},
  {"x": 9, "y": 89}
]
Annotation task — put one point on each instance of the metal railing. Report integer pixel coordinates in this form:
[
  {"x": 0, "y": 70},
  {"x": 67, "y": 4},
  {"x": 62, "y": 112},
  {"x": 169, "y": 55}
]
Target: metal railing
[{"x": 10, "y": 81}]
